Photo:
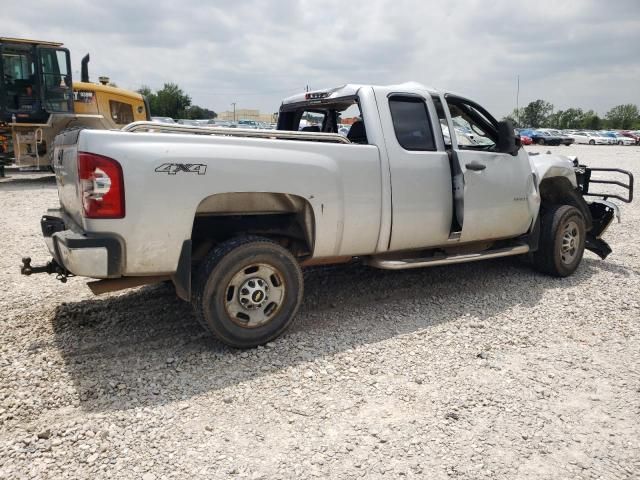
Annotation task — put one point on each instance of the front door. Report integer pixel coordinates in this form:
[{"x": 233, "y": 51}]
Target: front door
[{"x": 498, "y": 187}]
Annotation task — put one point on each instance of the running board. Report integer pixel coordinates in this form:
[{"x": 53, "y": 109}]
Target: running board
[{"x": 405, "y": 263}]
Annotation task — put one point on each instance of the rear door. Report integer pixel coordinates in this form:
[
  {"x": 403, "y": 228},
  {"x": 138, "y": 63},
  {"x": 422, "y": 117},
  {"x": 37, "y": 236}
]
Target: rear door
[
  {"x": 419, "y": 170},
  {"x": 499, "y": 192}
]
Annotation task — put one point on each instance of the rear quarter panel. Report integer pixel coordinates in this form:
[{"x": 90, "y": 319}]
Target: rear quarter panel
[{"x": 341, "y": 182}]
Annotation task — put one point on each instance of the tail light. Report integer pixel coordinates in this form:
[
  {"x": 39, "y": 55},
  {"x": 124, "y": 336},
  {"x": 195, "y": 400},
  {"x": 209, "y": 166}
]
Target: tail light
[{"x": 101, "y": 186}]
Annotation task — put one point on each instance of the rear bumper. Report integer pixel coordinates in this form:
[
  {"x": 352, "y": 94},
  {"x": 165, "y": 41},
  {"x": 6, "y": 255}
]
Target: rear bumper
[{"x": 83, "y": 254}]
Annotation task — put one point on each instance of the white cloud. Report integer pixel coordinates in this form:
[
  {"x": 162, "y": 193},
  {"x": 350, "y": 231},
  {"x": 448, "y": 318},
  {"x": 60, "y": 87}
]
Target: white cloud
[{"x": 254, "y": 52}]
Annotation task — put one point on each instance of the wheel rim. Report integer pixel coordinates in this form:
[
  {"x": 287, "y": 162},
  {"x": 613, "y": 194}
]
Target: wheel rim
[
  {"x": 570, "y": 243},
  {"x": 255, "y": 295}
]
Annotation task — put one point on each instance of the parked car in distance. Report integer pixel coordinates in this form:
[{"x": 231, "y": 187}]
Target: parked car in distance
[
  {"x": 223, "y": 124},
  {"x": 634, "y": 135},
  {"x": 248, "y": 124},
  {"x": 589, "y": 138},
  {"x": 610, "y": 136},
  {"x": 566, "y": 139},
  {"x": 622, "y": 140},
  {"x": 524, "y": 139},
  {"x": 163, "y": 119},
  {"x": 186, "y": 121},
  {"x": 541, "y": 137}
]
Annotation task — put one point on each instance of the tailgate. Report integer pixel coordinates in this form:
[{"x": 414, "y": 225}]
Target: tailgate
[{"x": 65, "y": 166}]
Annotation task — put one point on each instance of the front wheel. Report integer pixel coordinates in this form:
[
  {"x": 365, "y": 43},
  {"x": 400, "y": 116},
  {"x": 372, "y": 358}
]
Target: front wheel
[
  {"x": 562, "y": 238},
  {"x": 247, "y": 291},
  {"x": 592, "y": 142},
  {"x": 541, "y": 141}
]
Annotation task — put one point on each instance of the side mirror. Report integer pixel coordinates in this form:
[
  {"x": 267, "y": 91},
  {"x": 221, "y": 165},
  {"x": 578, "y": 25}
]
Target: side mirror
[{"x": 508, "y": 142}]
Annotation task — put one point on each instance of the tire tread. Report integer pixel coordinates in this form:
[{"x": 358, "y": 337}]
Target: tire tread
[{"x": 205, "y": 269}]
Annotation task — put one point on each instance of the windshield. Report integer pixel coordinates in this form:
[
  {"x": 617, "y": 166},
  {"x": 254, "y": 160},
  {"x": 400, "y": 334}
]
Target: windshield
[{"x": 18, "y": 76}]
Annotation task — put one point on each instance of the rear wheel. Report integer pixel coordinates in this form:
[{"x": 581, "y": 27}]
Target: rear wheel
[
  {"x": 248, "y": 291},
  {"x": 620, "y": 142},
  {"x": 541, "y": 141},
  {"x": 562, "y": 238}
]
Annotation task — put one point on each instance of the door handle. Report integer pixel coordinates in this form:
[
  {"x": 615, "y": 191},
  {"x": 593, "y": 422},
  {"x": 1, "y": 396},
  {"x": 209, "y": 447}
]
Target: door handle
[{"x": 475, "y": 166}]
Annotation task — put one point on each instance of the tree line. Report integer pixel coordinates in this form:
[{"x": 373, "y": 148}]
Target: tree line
[
  {"x": 172, "y": 101},
  {"x": 540, "y": 113}
]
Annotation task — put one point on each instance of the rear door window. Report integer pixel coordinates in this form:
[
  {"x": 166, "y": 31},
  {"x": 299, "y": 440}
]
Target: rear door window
[{"x": 411, "y": 123}]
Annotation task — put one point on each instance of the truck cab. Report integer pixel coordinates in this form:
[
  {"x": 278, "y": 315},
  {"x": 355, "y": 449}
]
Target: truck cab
[
  {"x": 432, "y": 146},
  {"x": 36, "y": 80}
]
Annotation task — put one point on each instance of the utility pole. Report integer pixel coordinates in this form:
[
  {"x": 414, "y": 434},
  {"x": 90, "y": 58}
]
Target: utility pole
[
  {"x": 234, "y": 111},
  {"x": 518, "y": 100}
]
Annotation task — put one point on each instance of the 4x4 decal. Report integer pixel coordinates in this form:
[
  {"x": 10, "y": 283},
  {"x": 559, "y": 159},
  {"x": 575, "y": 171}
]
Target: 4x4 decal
[{"x": 173, "y": 168}]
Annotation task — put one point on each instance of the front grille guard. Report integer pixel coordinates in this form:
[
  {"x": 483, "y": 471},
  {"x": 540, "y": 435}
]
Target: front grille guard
[{"x": 585, "y": 181}]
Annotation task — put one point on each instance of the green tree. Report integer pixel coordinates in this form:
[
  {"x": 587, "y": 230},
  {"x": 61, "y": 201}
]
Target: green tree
[
  {"x": 514, "y": 117},
  {"x": 554, "y": 120},
  {"x": 171, "y": 101},
  {"x": 623, "y": 116},
  {"x": 536, "y": 114},
  {"x": 145, "y": 91},
  {"x": 571, "y": 118},
  {"x": 197, "y": 112},
  {"x": 591, "y": 121}
]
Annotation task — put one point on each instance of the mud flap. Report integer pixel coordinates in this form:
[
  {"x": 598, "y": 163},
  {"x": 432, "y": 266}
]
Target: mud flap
[{"x": 602, "y": 214}]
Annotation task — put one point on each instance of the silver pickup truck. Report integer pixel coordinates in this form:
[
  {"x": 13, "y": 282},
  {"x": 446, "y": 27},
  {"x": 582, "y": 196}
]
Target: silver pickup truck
[{"x": 422, "y": 178}]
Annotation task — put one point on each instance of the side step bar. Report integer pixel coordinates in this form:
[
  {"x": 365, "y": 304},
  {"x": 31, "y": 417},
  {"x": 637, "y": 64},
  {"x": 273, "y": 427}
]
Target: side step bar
[{"x": 401, "y": 264}]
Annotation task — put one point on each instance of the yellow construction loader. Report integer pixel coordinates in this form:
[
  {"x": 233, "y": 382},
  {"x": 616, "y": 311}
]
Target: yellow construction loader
[{"x": 39, "y": 99}]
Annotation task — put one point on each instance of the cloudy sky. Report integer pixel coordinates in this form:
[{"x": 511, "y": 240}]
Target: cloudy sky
[{"x": 583, "y": 53}]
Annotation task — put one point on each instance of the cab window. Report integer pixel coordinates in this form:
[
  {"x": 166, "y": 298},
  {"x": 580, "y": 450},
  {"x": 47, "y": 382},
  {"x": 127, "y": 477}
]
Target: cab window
[
  {"x": 411, "y": 123},
  {"x": 312, "y": 121},
  {"x": 121, "y": 113}
]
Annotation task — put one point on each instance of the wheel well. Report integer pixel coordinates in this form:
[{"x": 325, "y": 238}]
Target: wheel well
[
  {"x": 284, "y": 218},
  {"x": 559, "y": 191}
]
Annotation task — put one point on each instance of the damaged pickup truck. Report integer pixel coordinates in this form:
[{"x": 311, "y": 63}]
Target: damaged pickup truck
[{"x": 231, "y": 216}]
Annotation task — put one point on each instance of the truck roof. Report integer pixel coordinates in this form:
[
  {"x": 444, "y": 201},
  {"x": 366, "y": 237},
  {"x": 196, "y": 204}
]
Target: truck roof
[
  {"x": 349, "y": 90},
  {"x": 29, "y": 42}
]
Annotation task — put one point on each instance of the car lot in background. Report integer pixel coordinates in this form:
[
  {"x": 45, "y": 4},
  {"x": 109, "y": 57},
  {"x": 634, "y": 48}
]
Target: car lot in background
[
  {"x": 623, "y": 140},
  {"x": 610, "y": 136},
  {"x": 566, "y": 139},
  {"x": 541, "y": 137},
  {"x": 525, "y": 140},
  {"x": 163, "y": 119},
  {"x": 589, "y": 138},
  {"x": 630, "y": 134}
]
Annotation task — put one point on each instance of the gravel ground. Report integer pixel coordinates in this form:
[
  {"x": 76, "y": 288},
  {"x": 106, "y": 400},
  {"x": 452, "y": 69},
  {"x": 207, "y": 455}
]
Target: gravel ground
[{"x": 484, "y": 370}]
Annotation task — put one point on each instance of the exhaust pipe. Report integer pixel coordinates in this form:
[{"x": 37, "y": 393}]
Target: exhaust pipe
[{"x": 84, "y": 69}]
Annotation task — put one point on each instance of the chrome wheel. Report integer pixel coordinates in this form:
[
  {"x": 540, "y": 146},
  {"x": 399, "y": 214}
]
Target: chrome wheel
[
  {"x": 254, "y": 295},
  {"x": 570, "y": 242}
]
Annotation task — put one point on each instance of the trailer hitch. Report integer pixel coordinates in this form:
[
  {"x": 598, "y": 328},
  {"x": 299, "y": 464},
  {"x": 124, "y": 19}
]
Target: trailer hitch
[{"x": 51, "y": 267}]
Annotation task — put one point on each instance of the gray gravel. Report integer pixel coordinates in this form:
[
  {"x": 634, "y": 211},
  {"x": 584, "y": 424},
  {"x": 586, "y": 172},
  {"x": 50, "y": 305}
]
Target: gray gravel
[{"x": 484, "y": 370}]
